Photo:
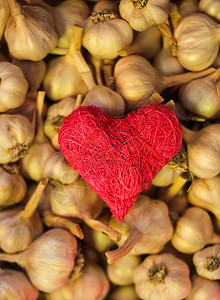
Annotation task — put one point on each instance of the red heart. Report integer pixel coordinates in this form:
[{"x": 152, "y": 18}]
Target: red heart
[{"x": 120, "y": 157}]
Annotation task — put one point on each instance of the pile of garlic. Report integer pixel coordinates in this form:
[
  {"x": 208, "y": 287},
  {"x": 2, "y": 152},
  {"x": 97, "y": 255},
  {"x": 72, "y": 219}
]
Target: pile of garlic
[{"x": 120, "y": 56}]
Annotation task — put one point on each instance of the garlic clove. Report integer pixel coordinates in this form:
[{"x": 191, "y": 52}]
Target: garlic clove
[
  {"x": 203, "y": 289},
  {"x": 15, "y": 285},
  {"x": 13, "y": 86},
  {"x": 207, "y": 262},
  {"x": 30, "y": 32}
]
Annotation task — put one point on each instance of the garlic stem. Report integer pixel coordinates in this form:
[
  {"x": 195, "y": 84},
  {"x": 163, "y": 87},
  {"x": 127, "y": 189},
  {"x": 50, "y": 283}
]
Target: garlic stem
[
  {"x": 51, "y": 220},
  {"x": 173, "y": 190},
  {"x": 114, "y": 255},
  {"x": 32, "y": 204},
  {"x": 187, "y": 134},
  {"x": 97, "y": 225},
  {"x": 169, "y": 81},
  {"x": 15, "y": 8}
]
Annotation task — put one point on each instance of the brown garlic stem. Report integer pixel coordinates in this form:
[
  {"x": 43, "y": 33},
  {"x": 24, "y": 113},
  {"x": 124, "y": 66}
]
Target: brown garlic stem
[
  {"x": 51, "y": 220},
  {"x": 15, "y": 8},
  {"x": 173, "y": 190},
  {"x": 99, "y": 226},
  {"x": 107, "y": 68},
  {"x": 114, "y": 255},
  {"x": 169, "y": 81},
  {"x": 32, "y": 204}
]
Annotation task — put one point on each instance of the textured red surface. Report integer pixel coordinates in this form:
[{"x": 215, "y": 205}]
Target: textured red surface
[{"x": 120, "y": 157}]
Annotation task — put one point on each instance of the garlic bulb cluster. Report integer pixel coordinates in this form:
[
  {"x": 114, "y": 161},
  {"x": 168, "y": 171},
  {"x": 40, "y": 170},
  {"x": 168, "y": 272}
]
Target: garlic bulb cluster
[
  {"x": 91, "y": 284},
  {"x": 205, "y": 193},
  {"x": 105, "y": 34},
  {"x": 15, "y": 285},
  {"x": 201, "y": 96},
  {"x": 16, "y": 136},
  {"x": 34, "y": 72},
  {"x": 30, "y": 32},
  {"x": 211, "y": 8},
  {"x": 13, "y": 86},
  {"x": 162, "y": 276},
  {"x": 203, "y": 289},
  {"x": 49, "y": 260},
  {"x": 58, "y": 169},
  {"x": 193, "y": 231},
  {"x": 196, "y": 46},
  {"x": 146, "y": 229},
  {"x": 13, "y": 188},
  {"x": 207, "y": 262},
  {"x": 142, "y": 14},
  {"x": 203, "y": 149}
]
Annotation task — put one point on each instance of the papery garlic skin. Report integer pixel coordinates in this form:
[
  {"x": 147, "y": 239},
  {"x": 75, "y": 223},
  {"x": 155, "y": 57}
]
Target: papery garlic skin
[
  {"x": 205, "y": 193},
  {"x": 15, "y": 285},
  {"x": 202, "y": 96},
  {"x": 58, "y": 169},
  {"x": 17, "y": 233},
  {"x": 197, "y": 46},
  {"x": 16, "y": 135},
  {"x": 193, "y": 231},
  {"x": 207, "y": 262},
  {"x": 55, "y": 116},
  {"x": 34, "y": 72},
  {"x": 30, "y": 34},
  {"x": 203, "y": 289},
  {"x": 63, "y": 79},
  {"x": 162, "y": 276},
  {"x": 13, "y": 188},
  {"x": 103, "y": 39},
  {"x": 211, "y": 8},
  {"x": 144, "y": 14},
  {"x": 13, "y": 86},
  {"x": 92, "y": 284}
]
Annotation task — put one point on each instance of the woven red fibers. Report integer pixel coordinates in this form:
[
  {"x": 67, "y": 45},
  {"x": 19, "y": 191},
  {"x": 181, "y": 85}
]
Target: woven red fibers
[{"x": 120, "y": 157}]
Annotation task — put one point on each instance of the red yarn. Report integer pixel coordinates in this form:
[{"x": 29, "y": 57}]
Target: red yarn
[{"x": 120, "y": 157}]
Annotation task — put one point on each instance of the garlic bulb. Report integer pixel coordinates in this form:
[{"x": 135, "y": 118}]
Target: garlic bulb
[
  {"x": 4, "y": 15},
  {"x": 193, "y": 231},
  {"x": 58, "y": 169},
  {"x": 146, "y": 229},
  {"x": 32, "y": 163},
  {"x": 16, "y": 135},
  {"x": 211, "y": 8},
  {"x": 165, "y": 62},
  {"x": 91, "y": 284},
  {"x": 65, "y": 15},
  {"x": 165, "y": 176},
  {"x": 202, "y": 96},
  {"x": 142, "y": 14},
  {"x": 15, "y": 285},
  {"x": 162, "y": 276},
  {"x": 19, "y": 227},
  {"x": 13, "y": 188},
  {"x": 205, "y": 194},
  {"x": 78, "y": 200},
  {"x": 203, "y": 289},
  {"x": 121, "y": 271},
  {"x": 30, "y": 32},
  {"x": 62, "y": 78},
  {"x": 34, "y": 72},
  {"x": 13, "y": 86},
  {"x": 49, "y": 260},
  {"x": 203, "y": 149},
  {"x": 136, "y": 80},
  {"x": 123, "y": 292},
  {"x": 55, "y": 116},
  {"x": 207, "y": 262},
  {"x": 105, "y": 34},
  {"x": 196, "y": 47},
  {"x": 146, "y": 43}
]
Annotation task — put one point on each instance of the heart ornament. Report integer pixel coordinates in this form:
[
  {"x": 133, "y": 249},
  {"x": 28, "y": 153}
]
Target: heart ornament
[{"x": 119, "y": 157}]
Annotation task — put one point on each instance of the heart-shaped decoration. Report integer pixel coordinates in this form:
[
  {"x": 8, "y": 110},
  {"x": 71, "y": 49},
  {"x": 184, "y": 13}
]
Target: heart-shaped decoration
[{"x": 120, "y": 157}]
